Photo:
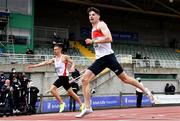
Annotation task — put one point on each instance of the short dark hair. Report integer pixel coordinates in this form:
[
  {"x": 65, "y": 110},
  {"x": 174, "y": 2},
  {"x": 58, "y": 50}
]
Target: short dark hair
[
  {"x": 97, "y": 11},
  {"x": 60, "y": 45}
]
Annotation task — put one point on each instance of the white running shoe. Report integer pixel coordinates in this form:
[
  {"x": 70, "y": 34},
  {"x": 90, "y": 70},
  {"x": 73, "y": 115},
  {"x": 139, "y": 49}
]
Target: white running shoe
[
  {"x": 17, "y": 111},
  {"x": 14, "y": 111},
  {"x": 150, "y": 96},
  {"x": 84, "y": 112}
]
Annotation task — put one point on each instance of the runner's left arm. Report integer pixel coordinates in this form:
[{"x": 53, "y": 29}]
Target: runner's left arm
[{"x": 68, "y": 59}]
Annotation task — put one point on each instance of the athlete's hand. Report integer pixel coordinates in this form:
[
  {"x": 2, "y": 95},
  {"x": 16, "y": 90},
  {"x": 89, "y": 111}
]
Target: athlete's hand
[{"x": 88, "y": 41}]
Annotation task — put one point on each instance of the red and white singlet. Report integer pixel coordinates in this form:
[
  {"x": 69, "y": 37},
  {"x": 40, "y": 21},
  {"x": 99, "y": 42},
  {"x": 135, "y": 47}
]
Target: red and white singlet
[
  {"x": 101, "y": 49},
  {"x": 61, "y": 67}
]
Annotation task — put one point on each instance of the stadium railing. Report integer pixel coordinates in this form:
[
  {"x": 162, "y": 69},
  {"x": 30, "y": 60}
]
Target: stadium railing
[
  {"x": 32, "y": 59},
  {"x": 157, "y": 63},
  {"x": 6, "y": 58}
]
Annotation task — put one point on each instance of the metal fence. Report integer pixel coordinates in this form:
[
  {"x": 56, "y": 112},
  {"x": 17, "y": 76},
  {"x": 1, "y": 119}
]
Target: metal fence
[
  {"x": 81, "y": 60},
  {"x": 26, "y": 59},
  {"x": 156, "y": 63}
]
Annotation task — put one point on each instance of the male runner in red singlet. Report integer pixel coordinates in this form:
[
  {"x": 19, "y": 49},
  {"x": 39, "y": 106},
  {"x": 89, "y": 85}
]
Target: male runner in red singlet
[
  {"x": 101, "y": 40},
  {"x": 61, "y": 62}
]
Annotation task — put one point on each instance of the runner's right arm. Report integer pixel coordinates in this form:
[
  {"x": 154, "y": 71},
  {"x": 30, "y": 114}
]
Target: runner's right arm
[{"x": 51, "y": 61}]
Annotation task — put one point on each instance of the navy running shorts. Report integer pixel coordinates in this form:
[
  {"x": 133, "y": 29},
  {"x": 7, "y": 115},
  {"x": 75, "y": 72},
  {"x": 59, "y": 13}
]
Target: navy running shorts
[
  {"x": 62, "y": 81},
  {"x": 108, "y": 61}
]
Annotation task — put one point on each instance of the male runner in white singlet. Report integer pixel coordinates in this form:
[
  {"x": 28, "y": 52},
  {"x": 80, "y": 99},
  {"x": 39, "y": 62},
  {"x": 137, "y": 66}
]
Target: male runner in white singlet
[
  {"x": 61, "y": 62},
  {"x": 101, "y": 40}
]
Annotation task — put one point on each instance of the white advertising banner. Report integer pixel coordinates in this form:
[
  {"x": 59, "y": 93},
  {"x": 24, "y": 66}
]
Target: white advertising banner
[{"x": 168, "y": 99}]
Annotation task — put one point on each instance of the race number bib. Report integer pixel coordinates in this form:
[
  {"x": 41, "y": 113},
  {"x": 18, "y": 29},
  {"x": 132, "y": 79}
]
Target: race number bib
[{"x": 59, "y": 70}]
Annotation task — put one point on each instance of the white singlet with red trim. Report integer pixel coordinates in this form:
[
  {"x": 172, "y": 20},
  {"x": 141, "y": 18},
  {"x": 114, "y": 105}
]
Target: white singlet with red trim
[
  {"x": 101, "y": 49},
  {"x": 60, "y": 67}
]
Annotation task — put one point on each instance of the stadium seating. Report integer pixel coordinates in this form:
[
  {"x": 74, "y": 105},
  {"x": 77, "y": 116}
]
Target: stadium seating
[
  {"x": 152, "y": 52},
  {"x": 49, "y": 51}
]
